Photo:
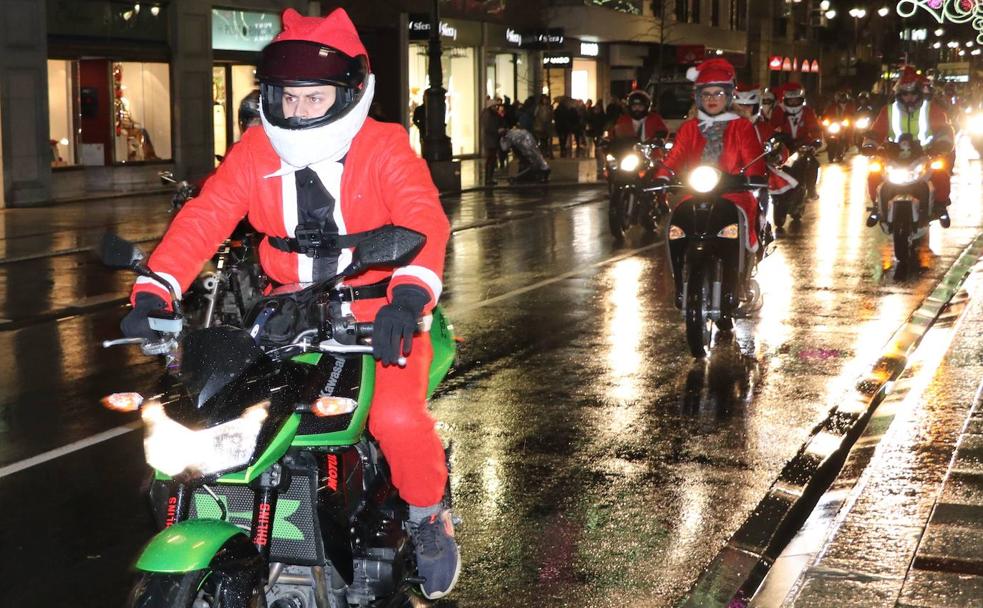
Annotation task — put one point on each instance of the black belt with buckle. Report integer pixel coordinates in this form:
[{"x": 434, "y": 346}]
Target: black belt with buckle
[{"x": 362, "y": 292}]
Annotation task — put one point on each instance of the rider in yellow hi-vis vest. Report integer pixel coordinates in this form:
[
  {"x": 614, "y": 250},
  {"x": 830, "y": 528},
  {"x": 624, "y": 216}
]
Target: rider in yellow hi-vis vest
[{"x": 914, "y": 114}]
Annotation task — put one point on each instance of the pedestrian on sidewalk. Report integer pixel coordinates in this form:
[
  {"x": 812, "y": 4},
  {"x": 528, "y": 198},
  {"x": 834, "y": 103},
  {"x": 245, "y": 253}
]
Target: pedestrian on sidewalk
[
  {"x": 492, "y": 127},
  {"x": 542, "y": 125}
]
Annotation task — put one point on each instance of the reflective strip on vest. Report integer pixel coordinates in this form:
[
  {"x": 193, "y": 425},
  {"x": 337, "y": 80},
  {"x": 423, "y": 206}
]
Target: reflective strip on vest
[{"x": 896, "y": 131}]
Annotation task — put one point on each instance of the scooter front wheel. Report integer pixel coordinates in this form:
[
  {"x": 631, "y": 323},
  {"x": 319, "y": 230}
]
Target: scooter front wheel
[
  {"x": 196, "y": 589},
  {"x": 699, "y": 325}
]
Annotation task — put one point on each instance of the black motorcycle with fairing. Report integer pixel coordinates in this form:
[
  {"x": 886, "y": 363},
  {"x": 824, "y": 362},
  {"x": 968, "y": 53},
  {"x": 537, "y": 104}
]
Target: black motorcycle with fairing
[
  {"x": 904, "y": 205},
  {"x": 709, "y": 249},
  {"x": 268, "y": 488}
]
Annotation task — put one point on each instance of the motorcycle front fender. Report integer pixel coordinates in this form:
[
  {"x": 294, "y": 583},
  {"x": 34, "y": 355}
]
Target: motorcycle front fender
[{"x": 196, "y": 544}]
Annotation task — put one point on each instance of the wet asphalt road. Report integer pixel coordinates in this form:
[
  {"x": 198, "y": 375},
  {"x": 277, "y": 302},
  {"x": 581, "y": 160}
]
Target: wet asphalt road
[{"x": 595, "y": 462}]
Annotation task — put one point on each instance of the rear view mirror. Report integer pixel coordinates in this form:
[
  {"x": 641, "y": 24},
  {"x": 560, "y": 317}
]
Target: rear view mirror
[
  {"x": 117, "y": 252},
  {"x": 389, "y": 246}
]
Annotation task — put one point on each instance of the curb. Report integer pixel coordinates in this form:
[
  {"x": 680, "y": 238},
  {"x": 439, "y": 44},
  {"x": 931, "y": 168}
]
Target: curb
[{"x": 738, "y": 569}]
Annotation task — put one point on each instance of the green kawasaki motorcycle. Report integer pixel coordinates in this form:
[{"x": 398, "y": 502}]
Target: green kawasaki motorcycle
[{"x": 268, "y": 489}]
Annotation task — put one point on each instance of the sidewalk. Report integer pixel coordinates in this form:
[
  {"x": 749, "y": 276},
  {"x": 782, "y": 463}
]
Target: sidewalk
[{"x": 902, "y": 525}]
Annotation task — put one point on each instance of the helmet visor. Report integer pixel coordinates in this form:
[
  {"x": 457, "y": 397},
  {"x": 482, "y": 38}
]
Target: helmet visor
[
  {"x": 302, "y": 63},
  {"x": 793, "y": 102}
]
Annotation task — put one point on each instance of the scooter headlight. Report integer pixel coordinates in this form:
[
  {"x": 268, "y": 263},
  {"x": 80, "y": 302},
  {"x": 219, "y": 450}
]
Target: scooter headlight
[
  {"x": 675, "y": 232},
  {"x": 730, "y": 232},
  {"x": 171, "y": 447},
  {"x": 863, "y": 123},
  {"x": 630, "y": 162},
  {"x": 902, "y": 176},
  {"x": 703, "y": 179},
  {"x": 834, "y": 128}
]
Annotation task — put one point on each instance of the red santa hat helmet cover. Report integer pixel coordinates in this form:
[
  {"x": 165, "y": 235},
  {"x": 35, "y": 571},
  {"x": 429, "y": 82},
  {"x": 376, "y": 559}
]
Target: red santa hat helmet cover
[
  {"x": 712, "y": 73},
  {"x": 313, "y": 51},
  {"x": 747, "y": 94}
]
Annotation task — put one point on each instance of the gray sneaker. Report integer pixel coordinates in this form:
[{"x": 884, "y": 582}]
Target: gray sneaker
[{"x": 437, "y": 557}]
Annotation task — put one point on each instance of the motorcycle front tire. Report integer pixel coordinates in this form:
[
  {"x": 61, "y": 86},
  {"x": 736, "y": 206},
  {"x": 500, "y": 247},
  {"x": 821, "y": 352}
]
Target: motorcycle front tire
[
  {"x": 182, "y": 590},
  {"x": 618, "y": 220}
]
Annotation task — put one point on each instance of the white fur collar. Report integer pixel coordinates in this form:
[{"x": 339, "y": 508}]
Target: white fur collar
[
  {"x": 299, "y": 148},
  {"x": 706, "y": 121}
]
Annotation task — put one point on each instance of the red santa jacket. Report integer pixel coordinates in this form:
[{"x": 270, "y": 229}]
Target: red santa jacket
[
  {"x": 803, "y": 127},
  {"x": 741, "y": 145},
  {"x": 383, "y": 181},
  {"x": 778, "y": 180},
  {"x": 654, "y": 127}
]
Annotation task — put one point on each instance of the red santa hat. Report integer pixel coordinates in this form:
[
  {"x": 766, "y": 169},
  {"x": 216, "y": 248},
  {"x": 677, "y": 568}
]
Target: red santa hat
[
  {"x": 909, "y": 79},
  {"x": 336, "y": 31},
  {"x": 748, "y": 94},
  {"x": 793, "y": 89},
  {"x": 712, "y": 72}
]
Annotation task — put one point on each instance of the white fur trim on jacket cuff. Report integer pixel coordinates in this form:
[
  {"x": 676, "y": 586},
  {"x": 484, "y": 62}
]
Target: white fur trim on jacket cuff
[
  {"x": 426, "y": 275},
  {"x": 170, "y": 280}
]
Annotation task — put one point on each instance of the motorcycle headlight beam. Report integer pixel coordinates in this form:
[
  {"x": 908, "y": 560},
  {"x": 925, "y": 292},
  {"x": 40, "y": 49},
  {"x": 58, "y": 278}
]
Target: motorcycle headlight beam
[
  {"x": 863, "y": 123},
  {"x": 975, "y": 124},
  {"x": 630, "y": 162},
  {"x": 834, "y": 128},
  {"x": 703, "y": 179},
  {"x": 171, "y": 447},
  {"x": 902, "y": 176}
]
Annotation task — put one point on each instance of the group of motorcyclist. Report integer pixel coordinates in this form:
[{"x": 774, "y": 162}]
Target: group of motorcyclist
[
  {"x": 317, "y": 163},
  {"x": 782, "y": 113}
]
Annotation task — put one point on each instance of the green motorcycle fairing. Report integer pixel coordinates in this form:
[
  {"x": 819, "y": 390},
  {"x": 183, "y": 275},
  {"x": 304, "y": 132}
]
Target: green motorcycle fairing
[{"x": 193, "y": 544}]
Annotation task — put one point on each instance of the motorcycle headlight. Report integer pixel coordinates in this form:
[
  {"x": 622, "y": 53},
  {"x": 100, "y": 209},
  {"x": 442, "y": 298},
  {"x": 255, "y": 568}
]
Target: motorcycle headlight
[
  {"x": 703, "y": 178},
  {"x": 171, "y": 447},
  {"x": 609, "y": 157},
  {"x": 975, "y": 124},
  {"x": 902, "y": 176},
  {"x": 845, "y": 123},
  {"x": 863, "y": 123},
  {"x": 833, "y": 128},
  {"x": 675, "y": 232},
  {"x": 730, "y": 232},
  {"x": 630, "y": 162}
]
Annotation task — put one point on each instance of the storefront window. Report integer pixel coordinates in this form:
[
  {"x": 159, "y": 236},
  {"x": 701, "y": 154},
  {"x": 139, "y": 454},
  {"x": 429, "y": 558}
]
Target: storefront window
[
  {"x": 61, "y": 113},
  {"x": 219, "y": 112},
  {"x": 583, "y": 80},
  {"x": 459, "y": 71},
  {"x": 141, "y": 111},
  {"x": 230, "y": 85}
]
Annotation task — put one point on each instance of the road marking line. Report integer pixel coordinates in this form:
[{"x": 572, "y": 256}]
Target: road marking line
[
  {"x": 64, "y": 450},
  {"x": 81, "y": 444}
]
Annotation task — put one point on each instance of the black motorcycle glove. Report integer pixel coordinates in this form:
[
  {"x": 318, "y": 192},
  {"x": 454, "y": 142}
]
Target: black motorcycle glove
[
  {"x": 396, "y": 322},
  {"x": 135, "y": 324}
]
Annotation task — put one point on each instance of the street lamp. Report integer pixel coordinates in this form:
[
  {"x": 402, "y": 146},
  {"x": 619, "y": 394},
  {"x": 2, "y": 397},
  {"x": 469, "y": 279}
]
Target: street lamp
[
  {"x": 857, "y": 14},
  {"x": 939, "y": 32},
  {"x": 883, "y": 11},
  {"x": 830, "y": 14},
  {"x": 824, "y": 5}
]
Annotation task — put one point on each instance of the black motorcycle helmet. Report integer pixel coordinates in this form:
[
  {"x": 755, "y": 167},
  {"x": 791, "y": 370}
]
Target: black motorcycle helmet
[
  {"x": 249, "y": 111},
  {"x": 639, "y": 104},
  {"x": 305, "y": 63}
]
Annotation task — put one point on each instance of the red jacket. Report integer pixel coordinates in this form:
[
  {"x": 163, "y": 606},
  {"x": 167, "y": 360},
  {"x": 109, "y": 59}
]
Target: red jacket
[
  {"x": 654, "y": 126},
  {"x": 779, "y": 181},
  {"x": 383, "y": 182},
  {"x": 741, "y": 145},
  {"x": 803, "y": 131}
]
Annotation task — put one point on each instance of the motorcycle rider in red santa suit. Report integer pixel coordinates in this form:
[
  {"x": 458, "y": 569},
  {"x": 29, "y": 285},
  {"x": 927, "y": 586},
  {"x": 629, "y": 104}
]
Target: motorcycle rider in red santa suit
[
  {"x": 748, "y": 102},
  {"x": 320, "y": 163},
  {"x": 718, "y": 136},
  {"x": 795, "y": 118},
  {"x": 641, "y": 122}
]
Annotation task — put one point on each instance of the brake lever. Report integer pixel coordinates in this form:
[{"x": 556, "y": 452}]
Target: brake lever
[{"x": 122, "y": 342}]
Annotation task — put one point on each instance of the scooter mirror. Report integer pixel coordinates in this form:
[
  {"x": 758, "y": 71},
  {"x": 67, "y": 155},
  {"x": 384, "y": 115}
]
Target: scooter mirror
[
  {"x": 117, "y": 252},
  {"x": 390, "y": 246}
]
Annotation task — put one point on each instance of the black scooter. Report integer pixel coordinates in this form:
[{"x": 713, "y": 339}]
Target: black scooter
[{"x": 712, "y": 264}]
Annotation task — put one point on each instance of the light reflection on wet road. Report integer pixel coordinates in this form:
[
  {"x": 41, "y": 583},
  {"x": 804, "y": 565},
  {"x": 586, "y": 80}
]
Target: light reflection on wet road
[{"x": 595, "y": 463}]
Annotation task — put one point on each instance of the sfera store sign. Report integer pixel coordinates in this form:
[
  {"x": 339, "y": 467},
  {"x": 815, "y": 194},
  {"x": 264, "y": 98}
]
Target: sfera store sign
[
  {"x": 419, "y": 27},
  {"x": 558, "y": 60},
  {"x": 543, "y": 39}
]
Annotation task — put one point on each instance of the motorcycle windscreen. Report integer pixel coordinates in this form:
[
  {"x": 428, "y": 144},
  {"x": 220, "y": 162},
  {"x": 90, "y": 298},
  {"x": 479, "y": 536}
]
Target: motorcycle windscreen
[{"x": 213, "y": 358}]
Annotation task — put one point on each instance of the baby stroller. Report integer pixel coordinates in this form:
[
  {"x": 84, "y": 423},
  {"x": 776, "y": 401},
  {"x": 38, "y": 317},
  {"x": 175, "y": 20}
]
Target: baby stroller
[{"x": 533, "y": 168}]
